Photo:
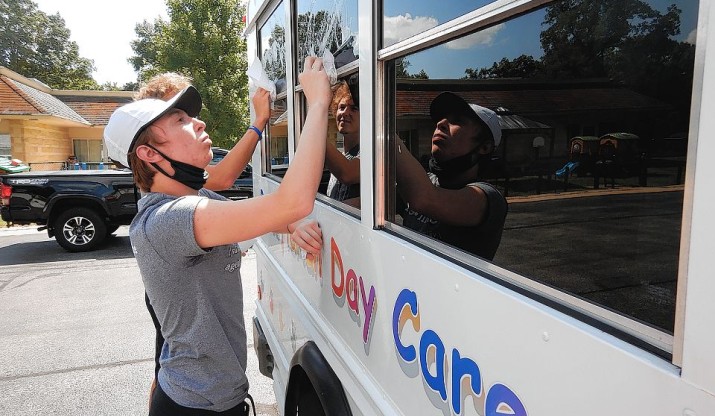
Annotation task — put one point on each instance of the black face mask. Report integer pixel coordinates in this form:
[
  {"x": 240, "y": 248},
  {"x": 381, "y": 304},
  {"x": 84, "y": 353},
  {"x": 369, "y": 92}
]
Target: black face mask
[
  {"x": 191, "y": 176},
  {"x": 448, "y": 170}
]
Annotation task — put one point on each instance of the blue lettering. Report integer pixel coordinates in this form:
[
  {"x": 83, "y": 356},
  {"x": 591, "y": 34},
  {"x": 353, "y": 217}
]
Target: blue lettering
[
  {"x": 399, "y": 317},
  {"x": 466, "y": 377},
  {"x": 502, "y": 401},
  {"x": 462, "y": 368},
  {"x": 432, "y": 352}
]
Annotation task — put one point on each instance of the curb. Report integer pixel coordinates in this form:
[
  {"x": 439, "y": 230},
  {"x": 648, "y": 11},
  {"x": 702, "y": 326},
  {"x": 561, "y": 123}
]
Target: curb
[{"x": 18, "y": 230}]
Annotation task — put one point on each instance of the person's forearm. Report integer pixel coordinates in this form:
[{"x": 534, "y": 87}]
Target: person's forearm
[
  {"x": 346, "y": 170},
  {"x": 413, "y": 184},
  {"x": 301, "y": 181},
  {"x": 223, "y": 174}
]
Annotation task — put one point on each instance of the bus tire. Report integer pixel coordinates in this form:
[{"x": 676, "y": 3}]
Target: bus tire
[{"x": 313, "y": 387}]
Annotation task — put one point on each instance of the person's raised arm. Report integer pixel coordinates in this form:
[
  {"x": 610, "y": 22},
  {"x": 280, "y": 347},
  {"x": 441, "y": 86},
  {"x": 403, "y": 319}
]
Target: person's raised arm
[
  {"x": 346, "y": 170},
  {"x": 465, "y": 206},
  {"x": 224, "y": 173},
  {"x": 223, "y": 222}
]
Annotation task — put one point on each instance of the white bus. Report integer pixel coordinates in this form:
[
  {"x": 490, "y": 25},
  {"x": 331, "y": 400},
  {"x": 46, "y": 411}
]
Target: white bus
[{"x": 600, "y": 297}]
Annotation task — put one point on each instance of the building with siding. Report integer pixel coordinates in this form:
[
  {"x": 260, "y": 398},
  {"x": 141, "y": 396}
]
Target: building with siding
[{"x": 44, "y": 127}]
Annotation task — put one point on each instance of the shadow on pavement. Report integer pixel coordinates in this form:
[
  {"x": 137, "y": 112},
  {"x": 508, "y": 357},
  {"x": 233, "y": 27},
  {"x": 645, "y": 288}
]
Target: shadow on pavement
[{"x": 114, "y": 247}]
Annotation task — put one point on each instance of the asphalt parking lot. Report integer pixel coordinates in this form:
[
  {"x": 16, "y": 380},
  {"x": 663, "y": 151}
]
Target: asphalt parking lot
[{"x": 76, "y": 338}]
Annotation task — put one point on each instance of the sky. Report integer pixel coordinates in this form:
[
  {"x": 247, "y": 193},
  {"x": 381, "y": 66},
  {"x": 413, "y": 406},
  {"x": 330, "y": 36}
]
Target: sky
[
  {"x": 509, "y": 39},
  {"x": 103, "y": 30}
]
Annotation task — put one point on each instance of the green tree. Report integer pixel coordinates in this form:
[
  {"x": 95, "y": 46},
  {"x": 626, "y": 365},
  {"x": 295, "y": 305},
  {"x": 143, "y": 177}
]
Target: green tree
[
  {"x": 318, "y": 32},
  {"x": 146, "y": 48},
  {"x": 655, "y": 64},
  {"x": 524, "y": 66},
  {"x": 202, "y": 40},
  {"x": 582, "y": 35},
  {"x": 626, "y": 41},
  {"x": 36, "y": 45},
  {"x": 401, "y": 65}
]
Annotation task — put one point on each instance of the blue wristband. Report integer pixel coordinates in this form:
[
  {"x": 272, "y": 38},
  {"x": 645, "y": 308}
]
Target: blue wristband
[{"x": 258, "y": 132}]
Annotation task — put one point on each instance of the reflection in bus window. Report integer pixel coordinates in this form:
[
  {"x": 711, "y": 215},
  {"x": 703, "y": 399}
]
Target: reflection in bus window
[
  {"x": 405, "y": 18},
  {"x": 273, "y": 48},
  {"x": 593, "y": 103},
  {"x": 277, "y": 138},
  {"x": 273, "y": 58},
  {"x": 449, "y": 202},
  {"x": 327, "y": 25}
]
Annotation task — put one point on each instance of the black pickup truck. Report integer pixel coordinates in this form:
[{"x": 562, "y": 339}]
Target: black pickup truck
[
  {"x": 80, "y": 208},
  {"x": 77, "y": 207}
]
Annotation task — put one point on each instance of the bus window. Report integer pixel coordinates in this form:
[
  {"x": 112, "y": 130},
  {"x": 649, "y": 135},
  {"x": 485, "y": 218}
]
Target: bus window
[
  {"x": 593, "y": 105},
  {"x": 278, "y": 139},
  {"x": 405, "y": 18},
  {"x": 327, "y": 25},
  {"x": 273, "y": 48},
  {"x": 273, "y": 56},
  {"x": 342, "y": 154}
]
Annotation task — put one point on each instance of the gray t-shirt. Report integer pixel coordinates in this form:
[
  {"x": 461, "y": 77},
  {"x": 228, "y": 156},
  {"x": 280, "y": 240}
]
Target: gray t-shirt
[
  {"x": 198, "y": 299},
  {"x": 340, "y": 191}
]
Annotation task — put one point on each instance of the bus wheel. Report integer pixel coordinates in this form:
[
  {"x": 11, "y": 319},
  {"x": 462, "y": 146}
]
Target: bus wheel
[
  {"x": 302, "y": 399},
  {"x": 313, "y": 387}
]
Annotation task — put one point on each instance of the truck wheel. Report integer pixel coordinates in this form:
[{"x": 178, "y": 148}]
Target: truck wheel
[{"x": 79, "y": 229}]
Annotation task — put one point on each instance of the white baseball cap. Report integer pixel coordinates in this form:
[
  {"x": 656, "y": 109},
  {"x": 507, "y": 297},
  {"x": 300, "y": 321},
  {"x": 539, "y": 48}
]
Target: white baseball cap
[
  {"x": 449, "y": 103},
  {"x": 128, "y": 121}
]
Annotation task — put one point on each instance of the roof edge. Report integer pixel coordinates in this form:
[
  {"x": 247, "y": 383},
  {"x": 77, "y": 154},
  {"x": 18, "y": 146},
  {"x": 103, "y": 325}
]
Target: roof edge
[
  {"x": 27, "y": 81},
  {"x": 93, "y": 93},
  {"x": 44, "y": 88}
]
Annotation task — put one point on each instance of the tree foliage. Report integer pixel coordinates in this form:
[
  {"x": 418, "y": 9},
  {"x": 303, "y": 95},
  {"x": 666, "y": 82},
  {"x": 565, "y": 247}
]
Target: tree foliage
[
  {"x": 36, "y": 45},
  {"x": 521, "y": 67},
  {"x": 401, "y": 66},
  {"x": 202, "y": 39},
  {"x": 318, "y": 32},
  {"x": 626, "y": 41},
  {"x": 582, "y": 36}
]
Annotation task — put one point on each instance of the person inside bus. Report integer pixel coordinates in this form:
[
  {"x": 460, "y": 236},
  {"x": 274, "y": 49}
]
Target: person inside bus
[
  {"x": 344, "y": 184},
  {"x": 165, "y": 86},
  {"x": 344, "y": 166},
  {"x": 184, "y": 239},
  {"x": 449, "y": 202}
]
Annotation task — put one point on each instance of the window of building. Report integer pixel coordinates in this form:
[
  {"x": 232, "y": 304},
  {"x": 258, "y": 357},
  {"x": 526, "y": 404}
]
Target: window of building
[
  {"x": 5, "y": 145},
  {"x": 86, "y": 150}
]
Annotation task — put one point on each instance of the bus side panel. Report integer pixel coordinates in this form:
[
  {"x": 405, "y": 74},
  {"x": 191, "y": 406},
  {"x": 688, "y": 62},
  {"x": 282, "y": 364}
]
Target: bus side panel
[
  {"x": 408, "y": 332},
  {"x": 295, "y": 293},
  {"x": 451, "y": 340}
]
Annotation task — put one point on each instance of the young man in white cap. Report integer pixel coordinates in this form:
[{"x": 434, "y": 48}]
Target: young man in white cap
[
  {"x": 184, "y": 238},
  {"x": 449, "y": 202},
  {"x": 166, "y": 86}
]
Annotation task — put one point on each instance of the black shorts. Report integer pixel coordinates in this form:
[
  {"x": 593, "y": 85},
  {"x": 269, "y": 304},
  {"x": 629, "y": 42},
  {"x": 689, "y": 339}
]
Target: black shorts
[{"x": 162, "y": 405}]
